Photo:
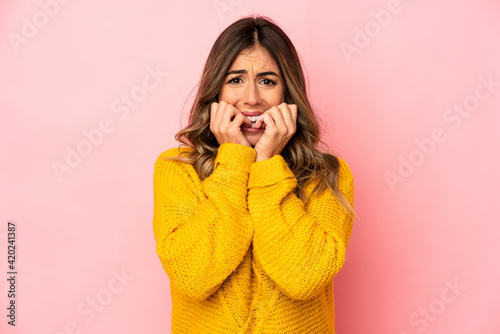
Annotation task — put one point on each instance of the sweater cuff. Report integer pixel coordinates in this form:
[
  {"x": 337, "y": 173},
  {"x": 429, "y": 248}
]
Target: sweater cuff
[
  {"x": 235, "y": 156},
  {"x": 270, "y": 171}
]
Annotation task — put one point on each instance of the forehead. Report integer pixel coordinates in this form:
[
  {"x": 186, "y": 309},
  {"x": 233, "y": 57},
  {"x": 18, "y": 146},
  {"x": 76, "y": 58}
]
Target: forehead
[{"x": 255, "y": 58}]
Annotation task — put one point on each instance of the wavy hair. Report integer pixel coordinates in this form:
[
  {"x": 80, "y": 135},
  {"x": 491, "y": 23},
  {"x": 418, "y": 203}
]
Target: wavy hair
[{"x": 302, "y": 155}]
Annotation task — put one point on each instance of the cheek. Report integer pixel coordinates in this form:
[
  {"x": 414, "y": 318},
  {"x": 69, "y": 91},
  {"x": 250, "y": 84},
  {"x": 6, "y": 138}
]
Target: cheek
[
  {"x": 227, "y": 95},
  {"x": 278, "y": 97},
  {"x": 222, "y": 95},
  {"x": 273, "y": 98}
]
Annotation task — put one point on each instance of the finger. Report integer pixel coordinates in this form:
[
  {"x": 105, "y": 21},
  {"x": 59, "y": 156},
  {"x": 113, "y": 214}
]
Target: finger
[
  {"x": 213, "y": 109},
  {"x": 261, "y": 116},
  {"x": 294, "y": 111},
  {"x": 259, "y": 121},
  {"x": 224, "y": 114},
  {"x": 269, "y": 122},
  {"x": 278, "y": 115},
  {"x": 228, "y": 114},
  {"x": 218, "y": 114},
  {"x": 241, "y": 119},
  {"x": 213, "y": 115},
  {"x": 290, "y": 117}
]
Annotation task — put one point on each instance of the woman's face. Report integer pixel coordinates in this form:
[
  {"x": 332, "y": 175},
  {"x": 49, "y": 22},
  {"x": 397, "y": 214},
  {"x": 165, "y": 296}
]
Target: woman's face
[{"x": 253, "y": 85}]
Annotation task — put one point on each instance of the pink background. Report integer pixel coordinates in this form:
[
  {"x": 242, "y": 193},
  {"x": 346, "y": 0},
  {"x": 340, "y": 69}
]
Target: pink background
[{"x": 385, "y": 77}]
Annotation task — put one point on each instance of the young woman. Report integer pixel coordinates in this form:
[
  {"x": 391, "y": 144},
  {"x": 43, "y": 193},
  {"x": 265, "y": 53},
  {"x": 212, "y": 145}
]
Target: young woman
[{"x": 251, "y": 220}]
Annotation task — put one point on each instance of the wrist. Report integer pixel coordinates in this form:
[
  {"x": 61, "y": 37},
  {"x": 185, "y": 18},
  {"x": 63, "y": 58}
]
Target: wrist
[
  {"x": 235, "y": 156},
  {"x": 260, "y": 157},
  {"x": 269, "y": 172}
]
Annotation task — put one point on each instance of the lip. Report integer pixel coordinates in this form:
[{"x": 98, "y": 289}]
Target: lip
[
  {"x": 251, "y": 130},
  {"x": 252, "y": 113}
]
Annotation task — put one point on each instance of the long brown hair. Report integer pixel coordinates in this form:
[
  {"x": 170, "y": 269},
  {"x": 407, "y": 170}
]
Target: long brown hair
[{"x": 307, "y": 163}]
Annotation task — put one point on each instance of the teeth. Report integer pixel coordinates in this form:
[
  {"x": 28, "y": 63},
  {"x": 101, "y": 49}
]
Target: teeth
[{"x": 253, "y": 119}]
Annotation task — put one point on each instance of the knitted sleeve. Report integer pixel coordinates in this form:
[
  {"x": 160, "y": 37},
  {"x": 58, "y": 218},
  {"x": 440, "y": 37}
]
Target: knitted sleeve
[
  {"x": 300, "y": 248},
  {"x": 202, "y": 229}
]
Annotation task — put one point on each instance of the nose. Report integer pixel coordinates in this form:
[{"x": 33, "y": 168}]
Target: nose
[{"x": 251, "y": 94}]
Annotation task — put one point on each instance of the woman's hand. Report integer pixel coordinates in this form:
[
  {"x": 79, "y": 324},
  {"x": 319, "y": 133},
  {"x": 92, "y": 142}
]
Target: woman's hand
[
  {"x": 281, "y": 124},
  {"x": 225, "y": 123}
]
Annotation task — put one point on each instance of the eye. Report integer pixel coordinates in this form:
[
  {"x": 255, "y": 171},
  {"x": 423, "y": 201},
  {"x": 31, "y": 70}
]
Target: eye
[
  {"x": 236, "y": 80},
  {"x": 268, "y": 82}
]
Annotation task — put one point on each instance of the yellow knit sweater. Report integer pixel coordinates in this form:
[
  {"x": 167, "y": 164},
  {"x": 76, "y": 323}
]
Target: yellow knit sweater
[{"x": 242, "y": 252}]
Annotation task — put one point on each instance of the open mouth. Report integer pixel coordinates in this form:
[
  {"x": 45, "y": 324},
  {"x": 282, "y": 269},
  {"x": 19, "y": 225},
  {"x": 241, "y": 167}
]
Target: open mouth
[{"x": 253, "y": 119}]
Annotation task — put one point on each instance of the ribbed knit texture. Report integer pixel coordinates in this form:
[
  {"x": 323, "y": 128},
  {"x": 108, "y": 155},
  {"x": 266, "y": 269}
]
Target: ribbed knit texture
[{"x": 242, "y": 252}]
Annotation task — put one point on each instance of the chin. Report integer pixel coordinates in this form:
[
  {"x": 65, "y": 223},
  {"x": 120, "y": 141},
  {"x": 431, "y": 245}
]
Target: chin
[{"x": 253, "y": 140}]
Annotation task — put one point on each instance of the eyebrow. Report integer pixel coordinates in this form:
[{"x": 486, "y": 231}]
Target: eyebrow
[{"x": 261, "y": 74}]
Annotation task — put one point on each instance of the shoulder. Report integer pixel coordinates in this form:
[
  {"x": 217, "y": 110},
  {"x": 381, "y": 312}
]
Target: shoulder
[
  {"x": 166, "y": 160},
  {"x": 345, "y": 181},
  {"x": 339, "y": 166},
  {"x": 344, "y": 169},
  {"x": 334, "y": 165},
  {"x": 167, "y": 155},
  {"x": 173, "y": 152}
]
